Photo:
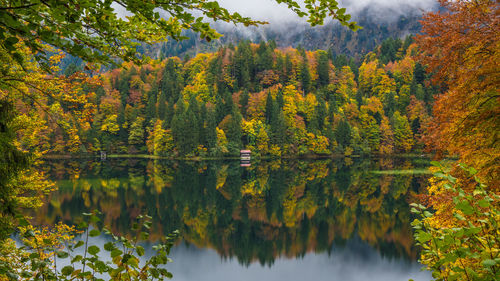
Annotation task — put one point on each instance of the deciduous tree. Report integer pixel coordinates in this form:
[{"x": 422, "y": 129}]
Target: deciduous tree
[{"x": 460, "y": 46}]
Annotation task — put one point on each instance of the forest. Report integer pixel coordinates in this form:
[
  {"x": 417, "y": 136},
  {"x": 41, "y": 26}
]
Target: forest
[{"x": 275, "y": 102}]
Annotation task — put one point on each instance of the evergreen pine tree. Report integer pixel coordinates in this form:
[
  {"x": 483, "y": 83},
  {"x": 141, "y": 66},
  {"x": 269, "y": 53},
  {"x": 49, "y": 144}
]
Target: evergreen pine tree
[
  {"x": 305, "y": 75},
  {"x": 243, "y": 65},
  {"x": 321, "y": 113},
  {"x": 170, "y": 112},
  {"x": 228, "y": 103},
  {"x": 323, "y": 69},
  {"x": 244, "y": 102},
  {"x": 279, "y": 99},
  {"x": 220, "y": 113},
  {"x": 210, "y": 133},
  {"x": 190, "y": 131},
  {"x": 288, "y": 67},
  {"x": 151, "y": 105},
  {"x": 343, "y": 133},
  {"x": 269, "y": 108},
  {"x": 278, "y": 128},
  {"x": 233, "y": 132},
  {"x": 162, "y": 106}
]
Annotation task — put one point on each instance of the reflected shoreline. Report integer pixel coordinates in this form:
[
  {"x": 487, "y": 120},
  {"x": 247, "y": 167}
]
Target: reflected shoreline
[{"x": 285, "y": 208}]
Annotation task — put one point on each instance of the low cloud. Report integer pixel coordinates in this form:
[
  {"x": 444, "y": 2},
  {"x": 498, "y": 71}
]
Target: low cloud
[{"x": 274, "y": 13}]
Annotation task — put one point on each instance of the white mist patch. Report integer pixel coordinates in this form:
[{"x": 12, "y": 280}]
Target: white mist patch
[{"x": 274, "y": 13}]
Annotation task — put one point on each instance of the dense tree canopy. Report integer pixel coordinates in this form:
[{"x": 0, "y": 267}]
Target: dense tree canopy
[
  {"x": 461, "y": 47},
  {"x": 272, "y": 101}
]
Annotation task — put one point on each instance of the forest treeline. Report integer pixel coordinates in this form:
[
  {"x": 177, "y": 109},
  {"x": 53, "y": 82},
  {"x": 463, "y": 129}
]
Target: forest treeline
[
  {"x": 277, "y": 102},
  {"x": 277, "y": 208}
]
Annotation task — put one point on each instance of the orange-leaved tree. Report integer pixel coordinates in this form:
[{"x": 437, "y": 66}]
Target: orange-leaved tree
[{"x": 460, "y": 46}]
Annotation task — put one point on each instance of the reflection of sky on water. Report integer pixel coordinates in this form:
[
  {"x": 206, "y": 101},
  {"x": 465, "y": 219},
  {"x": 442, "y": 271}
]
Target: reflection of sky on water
[
  {"x": 352, "y": 262},
  {"x": 356, "y": 261}
]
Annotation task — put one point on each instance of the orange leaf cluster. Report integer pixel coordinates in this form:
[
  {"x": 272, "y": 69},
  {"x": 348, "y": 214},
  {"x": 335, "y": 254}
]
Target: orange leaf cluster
[{"x": 461, "y": 47}]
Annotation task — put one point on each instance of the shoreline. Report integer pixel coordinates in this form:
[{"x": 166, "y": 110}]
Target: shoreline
[{"x": 199, "y": 158}]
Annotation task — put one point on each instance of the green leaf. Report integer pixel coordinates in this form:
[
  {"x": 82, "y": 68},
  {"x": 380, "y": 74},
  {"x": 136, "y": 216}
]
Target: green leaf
[
  {"x": 77, "y": 258},
  {"x": 447, "y": 186},
  {"x": 465, "y": 207},
  {"x": 472, "y": 230},
  {"x": 82, "y": 225},
  {"x": 140, "y": 251},
  {"x": 133, "y": 261},
  {"x": 93, "y": 250},
  {"x": 154, "y": 272},
  {"x": 489, "y": 263},
  {"x": 94, "y": 219},
  {"x": 94, "y": 233},
  {"x": 436, "y": 163},
  {"x": 115, "y": 253},
  {"x": 67, "y": 270},
  {"x": 483, "y": 203},
  {"x": 423, "y": 237},
  {"x": 79, "y": 244},
  {"x": 439, "y": 175},
  {"x": 427, "y": 214},
  {"x": 110, "y": 246},
  {"x": 62, "y": 254}
]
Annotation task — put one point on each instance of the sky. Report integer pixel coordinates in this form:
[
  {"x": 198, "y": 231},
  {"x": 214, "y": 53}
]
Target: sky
[
  {"x": 281, "y": 19},
  {"x": 269, "y": 10}
]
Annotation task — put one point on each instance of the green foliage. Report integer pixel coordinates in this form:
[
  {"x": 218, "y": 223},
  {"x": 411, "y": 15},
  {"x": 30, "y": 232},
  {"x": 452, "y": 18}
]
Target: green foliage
[
  {"x": 94, "y": 31},
  {"x": 305, "y": 75},
  {"x": 323, "y": 69},
  {"x": 136, "y": 135},
  {"x": 37, "y": 259},
  {"x": 467, "y": 249},
  {"x": 12, "y": 162},
  {"x": 343, "y": 133},
  {"x": 403, "y": 136}
]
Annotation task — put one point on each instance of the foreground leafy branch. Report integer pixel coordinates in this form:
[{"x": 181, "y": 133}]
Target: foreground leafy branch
[
  {"x": 43, "y": 249},
  {"x": 98, "y": 31},
  {"x": 466, "y": 246}
]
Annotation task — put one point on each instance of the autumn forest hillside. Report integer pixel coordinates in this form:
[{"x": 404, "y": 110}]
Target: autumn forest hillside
[{"x": 274, "y": 101}]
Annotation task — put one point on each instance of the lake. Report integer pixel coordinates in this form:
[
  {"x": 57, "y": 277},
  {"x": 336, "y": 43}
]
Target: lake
[{"x": 328, "y": 219}]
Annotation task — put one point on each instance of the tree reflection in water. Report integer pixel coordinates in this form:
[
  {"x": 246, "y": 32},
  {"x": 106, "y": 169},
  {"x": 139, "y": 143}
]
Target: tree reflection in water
[{"x": 283, "y": 208}]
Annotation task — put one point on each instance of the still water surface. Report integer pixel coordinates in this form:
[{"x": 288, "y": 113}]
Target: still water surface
[{"x": 275, "y": 220}]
